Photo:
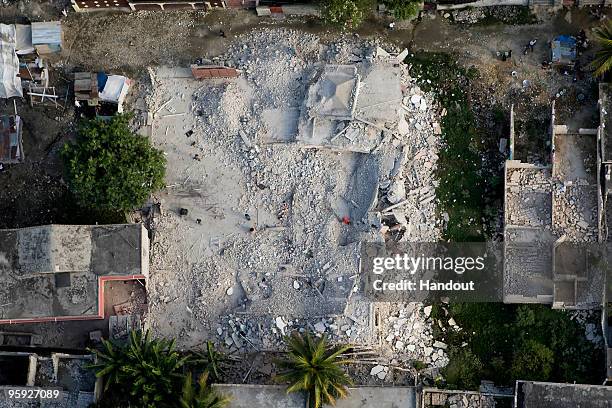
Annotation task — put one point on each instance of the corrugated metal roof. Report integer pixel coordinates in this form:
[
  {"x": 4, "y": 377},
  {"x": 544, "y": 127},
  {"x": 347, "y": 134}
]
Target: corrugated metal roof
[{"x": 47, "y": 33}]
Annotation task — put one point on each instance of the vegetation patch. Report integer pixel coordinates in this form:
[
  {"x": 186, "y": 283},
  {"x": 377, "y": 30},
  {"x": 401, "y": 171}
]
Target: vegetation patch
[
  {"x": 504, "y": 343},
  {"x": 467, "y": 185},
  {"x": 345, "y": 14},
  {"x": 509, "y": 15},
  {"x": 403, "y": 9},
  {"x": 151, "y": 373}
]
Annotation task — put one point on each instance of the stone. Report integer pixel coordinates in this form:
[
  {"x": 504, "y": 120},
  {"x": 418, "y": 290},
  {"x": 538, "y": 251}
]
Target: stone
[
  {"x": 320, "y": 327},
  {"x": 280, "y": 323},
  {"x": 229, "y": 291},
  {"x": 440, "y": 345},
  {"x": 296, "y": 284},
  {"x": 411, "y": 347},
  {"x": 377, "y": 369},
  {"x": 427, "y": 310},
  {"x": 397, "y": 191}
]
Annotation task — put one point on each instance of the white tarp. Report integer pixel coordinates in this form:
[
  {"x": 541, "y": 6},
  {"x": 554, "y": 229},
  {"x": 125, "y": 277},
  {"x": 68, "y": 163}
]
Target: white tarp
[
  {"x": 23, "y": 39},
  {"x": 10, "y": 84},
  {"x": 115, "y": 90}
]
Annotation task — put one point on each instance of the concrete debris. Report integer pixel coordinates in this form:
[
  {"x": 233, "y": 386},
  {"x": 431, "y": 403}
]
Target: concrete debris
[
  {"x": 408, "y": 332},
  {"x": 379, "y": 371},
  {"x": 461, "y": 400},
  {"x": 272, "y": 213}
]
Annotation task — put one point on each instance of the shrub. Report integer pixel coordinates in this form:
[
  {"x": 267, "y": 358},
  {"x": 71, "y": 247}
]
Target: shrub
[
  {"x": 404, "y": 9},
  {"x": 146, "y": 372},
  {"x": 533, "y": 361},
  {"x": 345, "y": 14},
  {"x": 111, "y": 168},
  {"x": 464, "y": 369}
]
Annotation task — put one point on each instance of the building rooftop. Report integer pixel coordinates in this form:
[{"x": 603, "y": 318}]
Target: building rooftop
[
  {"x": 531, "y": 394},
  {"x": 57, "y": 272}
]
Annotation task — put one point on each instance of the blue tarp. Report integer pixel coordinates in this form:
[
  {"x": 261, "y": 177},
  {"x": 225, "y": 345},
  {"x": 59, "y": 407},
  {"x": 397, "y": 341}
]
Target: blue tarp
[
  {"x": 563, "y": 49},
  {"x": 102, "y": 77}
]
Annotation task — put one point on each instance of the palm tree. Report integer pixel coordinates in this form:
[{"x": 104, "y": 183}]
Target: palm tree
[
  {"x": 603, "y": 57},
  {"x": 148, "y": 370},
  {"x": 202, "y": 396},
  {"x": 211, "y": 360},
  {"x": 314, "y": 366}
]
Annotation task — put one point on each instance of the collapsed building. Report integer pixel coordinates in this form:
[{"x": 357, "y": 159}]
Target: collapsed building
[
  {"x": 556, "y": 216},
  {"x": 551, "y": 215},
  {"x": 279, "y": 174},
  {"x": 64, "y": 380}
]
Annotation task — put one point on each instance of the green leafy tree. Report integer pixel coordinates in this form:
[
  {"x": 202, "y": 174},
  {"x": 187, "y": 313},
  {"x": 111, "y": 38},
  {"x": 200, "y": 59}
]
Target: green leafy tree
[
  {"x": 315, "y": 367},
  {"x": 603, "y": 57},
  {"x": 533, "y": 361},
  {"x": 464, "y": 370},
  {"x": 111, "y": 168},
  {"x": 403, "y": 9},
  {"x": 146, "y": 372},
  {"x": 201, "y": 395},
  {"x": 345, "y": 14}
]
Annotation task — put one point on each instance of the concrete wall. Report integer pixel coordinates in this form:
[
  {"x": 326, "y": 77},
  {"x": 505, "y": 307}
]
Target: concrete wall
[{"x": 275, "y": 396}]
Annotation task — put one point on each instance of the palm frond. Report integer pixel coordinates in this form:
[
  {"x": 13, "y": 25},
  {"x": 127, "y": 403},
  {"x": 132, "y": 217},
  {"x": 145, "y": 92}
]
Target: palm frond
[{"x": 314, "y": 366}]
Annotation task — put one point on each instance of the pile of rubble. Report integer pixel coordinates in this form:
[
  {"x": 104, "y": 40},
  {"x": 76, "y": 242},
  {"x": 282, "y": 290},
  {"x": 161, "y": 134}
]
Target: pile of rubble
[
  {"x": 409, "y": 189},
  {"x": 528, "y": 197},
  {"x": 574, "y": 215},
  {"x": 467, "y": 16},
  {"x": 589, "y": 319},
  {"x": 270, "y": 237},
  {"x": 470, "y": 401}
]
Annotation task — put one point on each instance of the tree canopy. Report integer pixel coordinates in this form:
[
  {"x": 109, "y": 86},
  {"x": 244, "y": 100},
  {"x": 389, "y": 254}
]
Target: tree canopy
[
  {"x": 345, "y": 14},
  {"x": 403, "y": 9},
  {"x": 603, "y": 57},
  {"x": 111, "y": 168}
]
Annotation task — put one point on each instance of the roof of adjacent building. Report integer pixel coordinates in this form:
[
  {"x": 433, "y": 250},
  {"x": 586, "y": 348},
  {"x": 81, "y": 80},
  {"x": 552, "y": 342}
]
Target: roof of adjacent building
[
  {"x": 532, "y": 394},
  {"x": 57, "y": 272}
]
